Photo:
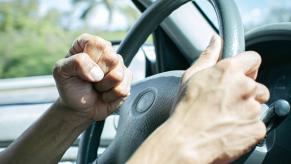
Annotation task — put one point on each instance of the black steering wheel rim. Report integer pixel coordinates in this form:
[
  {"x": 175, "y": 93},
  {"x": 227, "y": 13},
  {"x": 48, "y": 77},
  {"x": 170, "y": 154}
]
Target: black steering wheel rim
[{"x": 231, "y": 30}]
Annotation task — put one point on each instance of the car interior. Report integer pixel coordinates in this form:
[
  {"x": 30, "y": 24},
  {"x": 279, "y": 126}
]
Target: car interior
[
  {"x": 180, "y": 30},
  {"x": 178, "y": 39}
]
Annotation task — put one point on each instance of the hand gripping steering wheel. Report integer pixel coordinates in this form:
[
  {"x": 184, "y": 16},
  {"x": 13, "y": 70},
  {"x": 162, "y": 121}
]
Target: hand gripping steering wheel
[{"x": 151, "y": 100}]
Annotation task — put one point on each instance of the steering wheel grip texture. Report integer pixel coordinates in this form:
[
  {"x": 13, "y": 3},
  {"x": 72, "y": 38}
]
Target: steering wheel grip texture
[{"x": 152, "y": 99}]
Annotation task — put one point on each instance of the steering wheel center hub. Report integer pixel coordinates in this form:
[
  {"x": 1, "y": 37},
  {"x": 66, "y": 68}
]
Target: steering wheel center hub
[{"x": 145, "y": 101}]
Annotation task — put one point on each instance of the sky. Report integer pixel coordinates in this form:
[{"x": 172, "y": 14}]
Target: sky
[
  {"x": 97, "y": 19},
  {"x": 252, "y": 11}
]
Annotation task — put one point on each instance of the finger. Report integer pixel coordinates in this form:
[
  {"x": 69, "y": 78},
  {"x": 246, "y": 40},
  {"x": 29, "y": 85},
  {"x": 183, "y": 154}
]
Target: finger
[
  {"x": 248, "y": 87},
  {"x": 80, "y": 65},
  {"x": 113, "y": 107},
  {"x": 108, "y": 61},
  {"x": 80, "y": 43},
  {"x": 251, "y": 110},
  {"x": 113, "y": 78},
  {"x": 207, "y": 59},
  {"x": 120, "y": 91},
  {"x": 247, "y": 62},
  {"x": 257, "y": 131},
  {"x": 262, "y": 93},
  {"x": 261, "y": 131},
  {"x": 101, "y": 52},
  {"x": 97, "y": 47},
  {"x": 253, "y": 132}
]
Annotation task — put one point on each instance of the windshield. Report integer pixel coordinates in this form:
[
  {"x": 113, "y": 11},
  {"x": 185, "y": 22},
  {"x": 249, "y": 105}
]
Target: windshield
[
  {"x": 36, "y": 33},
  {"x": 254, "y": 13}
]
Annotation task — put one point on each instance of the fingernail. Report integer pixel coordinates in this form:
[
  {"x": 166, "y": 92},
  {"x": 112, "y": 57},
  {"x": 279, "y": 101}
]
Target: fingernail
[{"x": 96, "y": 73}]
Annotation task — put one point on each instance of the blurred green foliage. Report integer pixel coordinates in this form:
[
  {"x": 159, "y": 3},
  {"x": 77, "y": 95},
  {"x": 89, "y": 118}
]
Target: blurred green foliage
[{"x": 30, "y": 44}]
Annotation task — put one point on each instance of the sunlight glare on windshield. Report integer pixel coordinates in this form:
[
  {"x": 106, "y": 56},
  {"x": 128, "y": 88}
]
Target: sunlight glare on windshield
[{"x": 254, "y": 13}]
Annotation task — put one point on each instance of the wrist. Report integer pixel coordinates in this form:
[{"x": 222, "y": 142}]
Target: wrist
[
  {"x": 71, "y": 117},
  {"x": 165, "y": 146},
  {"x": 54, "y": 131},
  {"x": 194, "y": 146}
]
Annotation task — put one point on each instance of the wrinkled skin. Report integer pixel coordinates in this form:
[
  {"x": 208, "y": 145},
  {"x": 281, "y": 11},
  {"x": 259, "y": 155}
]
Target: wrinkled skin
[
  {"x": 216, "y": 116},
  {"x": 92, "y": 82},
  {"x": 91, "y": 60}
]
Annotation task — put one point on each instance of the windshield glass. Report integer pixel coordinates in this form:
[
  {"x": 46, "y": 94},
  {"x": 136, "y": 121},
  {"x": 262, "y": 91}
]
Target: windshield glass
[
  {"x": 34, "y": 34},
  {"x": 255, "y": 12}
]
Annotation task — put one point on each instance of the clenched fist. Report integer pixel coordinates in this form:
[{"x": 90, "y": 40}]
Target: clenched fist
[{"x": 92, "y": 80}]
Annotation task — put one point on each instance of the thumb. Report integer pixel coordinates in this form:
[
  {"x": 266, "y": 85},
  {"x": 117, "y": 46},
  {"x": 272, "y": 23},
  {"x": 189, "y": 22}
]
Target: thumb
[
  {"x": 208, "y": 58},
  {"x": 79, "y": 65}
]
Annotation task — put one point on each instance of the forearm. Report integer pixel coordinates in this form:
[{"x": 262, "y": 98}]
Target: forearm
[
  {"x": 170, "y": 145},
  {"x": 48, "y": 138}
]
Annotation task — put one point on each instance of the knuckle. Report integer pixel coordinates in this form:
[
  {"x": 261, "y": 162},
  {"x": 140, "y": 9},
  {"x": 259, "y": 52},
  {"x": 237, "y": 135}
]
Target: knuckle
[
  {"x": 84, "y": 36},
  {"x": 120, "y": 58},
  {"x": 79, "y": 59},
  {"x": 120, "y": 92},
  {"x": 248, "y": 85},
  {"x": 91, "y": 42},
  {"x": 102, "y": 46},
  {"x": 87, "y": 38},
  {"x": 103, "y": 41},
  {"x": 58, "y": 64},
  {"x": 57, "y": 68},
  {"x": 81, "y": 41},
  {"x": 115, "y": 77},
  {"x": 264, "y": 90},
  {"x": 107, "y": 48},
  {"x": 256, "y": 110},
  {"x": 260, "y": 130},
  {"x": 108, "y": 43},
  {"x": 111, "y": 60},
  {"x": 256, "y": 55}
]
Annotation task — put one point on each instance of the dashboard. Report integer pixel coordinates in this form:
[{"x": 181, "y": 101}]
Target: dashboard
[
  {"x": 273, "y": 43},
  {"x": 275, "y": 71}
]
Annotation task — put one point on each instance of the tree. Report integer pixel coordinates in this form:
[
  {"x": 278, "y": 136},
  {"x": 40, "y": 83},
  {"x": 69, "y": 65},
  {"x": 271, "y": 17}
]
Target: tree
[
  {"x": 29, "y": 44},
  {"x": 111, "y": 6}
]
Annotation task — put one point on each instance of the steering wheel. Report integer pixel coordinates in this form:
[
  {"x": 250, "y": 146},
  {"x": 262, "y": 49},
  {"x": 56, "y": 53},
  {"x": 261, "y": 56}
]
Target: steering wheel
[{"x": 151, "y": 100}]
